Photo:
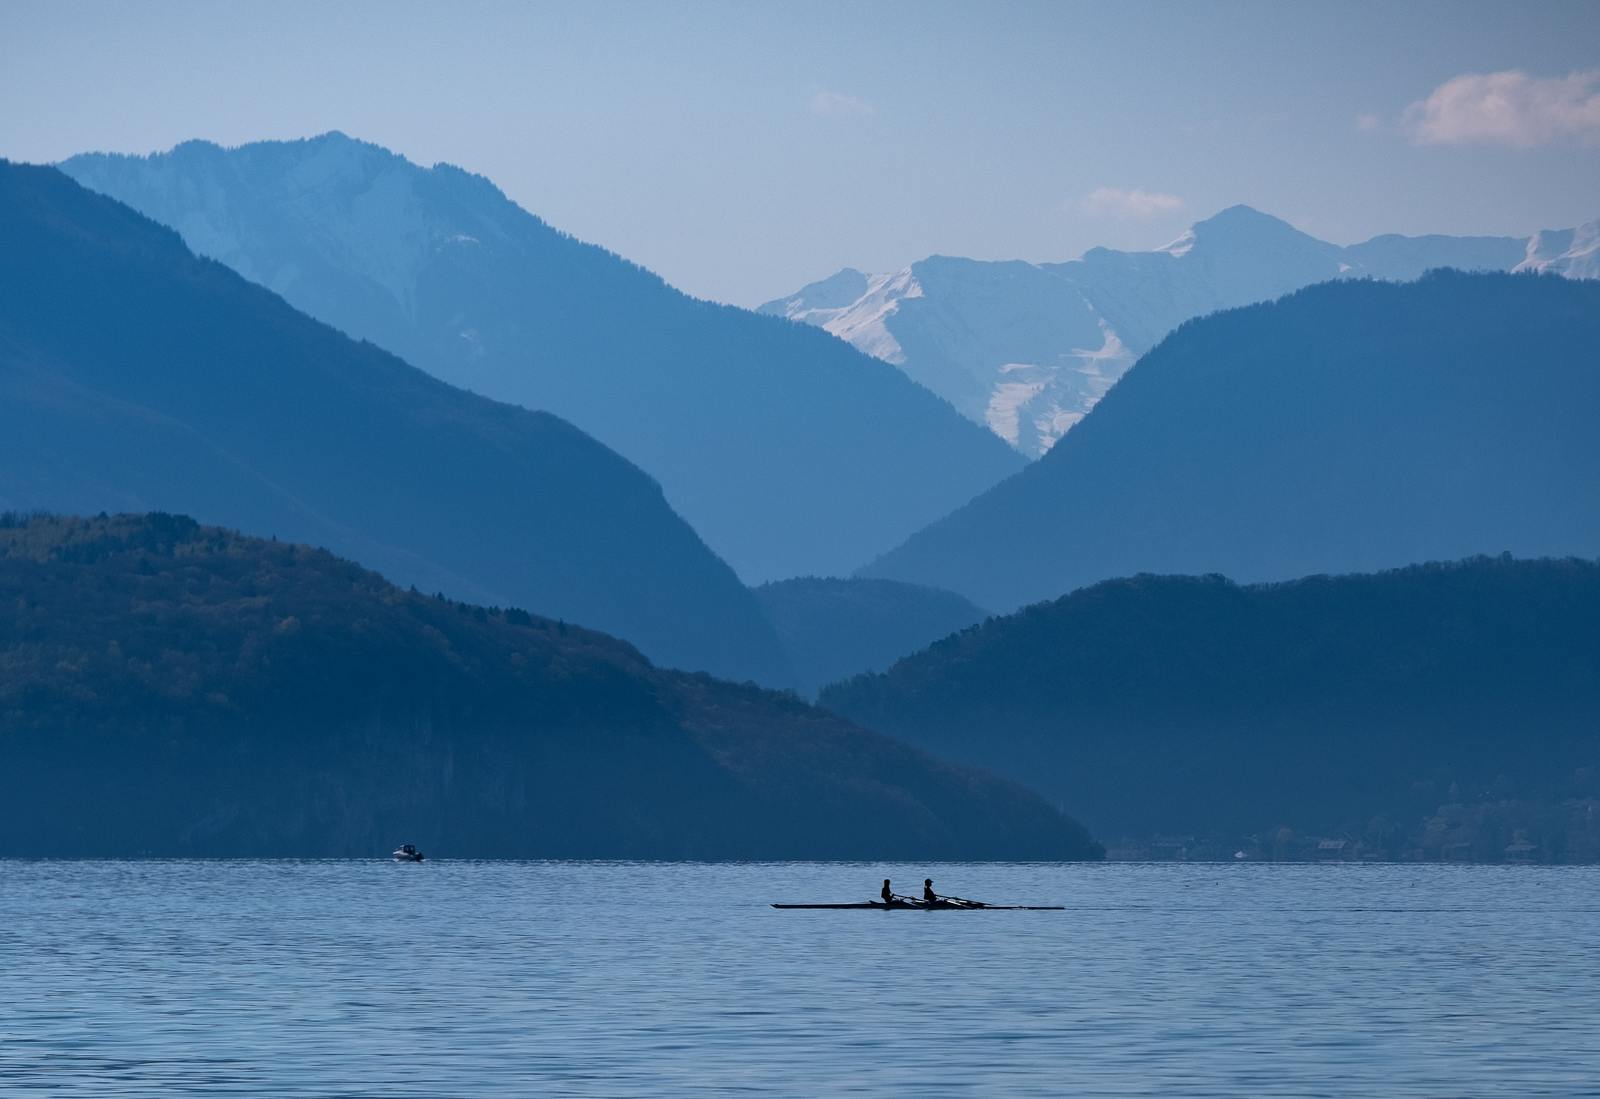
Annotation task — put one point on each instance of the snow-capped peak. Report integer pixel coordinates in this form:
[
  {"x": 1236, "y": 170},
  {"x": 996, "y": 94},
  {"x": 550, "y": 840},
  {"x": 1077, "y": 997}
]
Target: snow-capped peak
[{"x": 1029, "y": 348}]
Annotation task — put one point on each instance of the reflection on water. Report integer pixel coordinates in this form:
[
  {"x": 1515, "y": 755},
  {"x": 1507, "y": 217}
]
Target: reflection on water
[{"x": 377, "y": 979}]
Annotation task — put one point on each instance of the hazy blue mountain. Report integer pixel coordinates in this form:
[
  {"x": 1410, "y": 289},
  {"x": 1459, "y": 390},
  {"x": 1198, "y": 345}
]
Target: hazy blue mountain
[
  {"x": 831, "y": 629},
  {"x": 136, "y": 376},
  {"x": 789, "y": 453},
  {"x": 1351, "y": 426},
  {"x": 177, "y": 690},
  {"x": 1029, "y": 348},
  {"x": 1193, "y": 705}
]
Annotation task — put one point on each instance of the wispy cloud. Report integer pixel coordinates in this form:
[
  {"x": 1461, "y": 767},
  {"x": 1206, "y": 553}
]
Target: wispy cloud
[
  {"x": 1132, "y": 205},
  {"x": 837, "y": 103},
  {"x": 1368, "y": 123},
  {"x": 1508, "y": 108}
]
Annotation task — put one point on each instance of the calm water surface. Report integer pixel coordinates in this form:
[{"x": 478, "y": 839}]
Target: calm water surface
[{"x": 468, "y": 979}]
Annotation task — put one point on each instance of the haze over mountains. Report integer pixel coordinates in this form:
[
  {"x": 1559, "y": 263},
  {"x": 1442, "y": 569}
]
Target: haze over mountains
[
  {"x": 135, "y": 376},
  {"x": 1194, "y": 705},
  {"x": 1351, "y": 426},
  {"x": 177, "y": 690},
  {"x": 831, "y": 629},
  {"x": 1027, "y": 349},
  {"x": 789, "y": 452}
]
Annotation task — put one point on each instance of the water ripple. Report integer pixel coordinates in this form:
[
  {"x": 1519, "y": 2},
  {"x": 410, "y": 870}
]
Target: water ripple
[{"x": 607, "y": 979}]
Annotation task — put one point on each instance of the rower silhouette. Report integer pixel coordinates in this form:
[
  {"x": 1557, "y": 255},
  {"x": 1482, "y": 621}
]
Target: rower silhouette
[
  {"x": 928, "y": 895},
  {"x": 887, "y": 894}
]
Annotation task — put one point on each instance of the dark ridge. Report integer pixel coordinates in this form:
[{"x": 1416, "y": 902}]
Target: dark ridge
[
  {"x": 1193, "y": 705},
  {"x": 1350, "y": 426},
  {"x": 173, "y": 689}
]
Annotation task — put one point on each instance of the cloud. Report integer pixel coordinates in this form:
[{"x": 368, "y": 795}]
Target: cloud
[
  {"x": 1508, "y": 108},
  {"x": 1134, "y": 205},
  {"x": 1367, "y": 123},
  {"x": 837, "y": 103}
]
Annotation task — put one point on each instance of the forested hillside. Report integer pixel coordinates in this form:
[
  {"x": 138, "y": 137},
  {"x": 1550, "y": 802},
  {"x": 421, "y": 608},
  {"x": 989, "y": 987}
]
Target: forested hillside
[
  {"x": 173, "y": 689},
  {"x": 1328, "y": 705}
]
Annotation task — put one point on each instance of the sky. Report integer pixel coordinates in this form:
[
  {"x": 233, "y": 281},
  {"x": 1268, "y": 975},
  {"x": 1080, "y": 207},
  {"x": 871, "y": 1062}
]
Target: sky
[{"x": 744, "y": 149}]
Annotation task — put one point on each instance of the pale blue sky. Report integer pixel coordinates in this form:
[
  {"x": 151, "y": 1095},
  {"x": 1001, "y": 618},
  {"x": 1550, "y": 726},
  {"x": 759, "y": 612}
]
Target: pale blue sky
[{"x": 741, "y": 149}]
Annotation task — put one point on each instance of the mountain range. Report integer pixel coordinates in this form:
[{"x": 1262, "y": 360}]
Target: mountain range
[
  {"x": 1028, "y": 349},
  {"x": 1348, "y": 427},
  {"x": 1170, "y": 704},
  {"x": 1367, "y": 411},
  {"x": 789, "y": 452},
  {"x": 171, "y": 689},
  {"x": 134, "y": 375}
]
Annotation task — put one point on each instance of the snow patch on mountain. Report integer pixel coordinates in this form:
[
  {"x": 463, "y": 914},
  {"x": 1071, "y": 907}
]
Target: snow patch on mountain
[
  {"x": 835, "y": 292},
  {"x": 1181, "y": 246},
  {"x": 853, "y": 307},
  {"x": 865, "y": 321},
  {"x": 1032, "y": 405},
  {"x": 1007, "y": 400},
  {"x": 1574, "y": 253}
]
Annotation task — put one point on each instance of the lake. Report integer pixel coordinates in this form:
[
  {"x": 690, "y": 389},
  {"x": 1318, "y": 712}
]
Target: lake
[{"x": 607, "y": 979}]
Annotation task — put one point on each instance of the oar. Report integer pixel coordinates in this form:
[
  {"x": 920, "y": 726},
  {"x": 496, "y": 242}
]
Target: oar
[
  {"x": 1014, "y": 907},
  {"x": 954, "y": 902}
]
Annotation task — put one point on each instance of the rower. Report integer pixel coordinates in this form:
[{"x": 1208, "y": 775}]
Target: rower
[
  {"x": 887, "y": 894},
  {"x": 928, "y": 895}
]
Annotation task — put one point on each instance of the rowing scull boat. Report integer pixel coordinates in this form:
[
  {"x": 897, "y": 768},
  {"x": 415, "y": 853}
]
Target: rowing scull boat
[{"x": 939, "y": 906}]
